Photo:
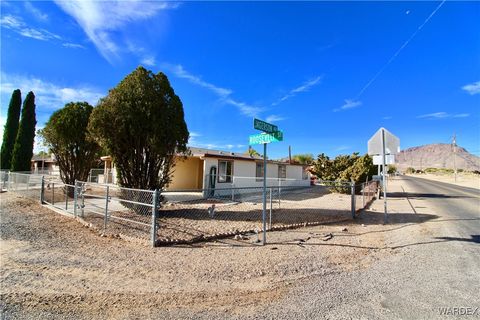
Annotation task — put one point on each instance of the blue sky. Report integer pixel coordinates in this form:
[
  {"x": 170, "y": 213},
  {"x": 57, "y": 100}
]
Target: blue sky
[{"x": 329, "y": 74}]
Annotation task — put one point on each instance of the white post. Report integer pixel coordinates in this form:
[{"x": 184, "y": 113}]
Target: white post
[{"x": 385, "y": 217}]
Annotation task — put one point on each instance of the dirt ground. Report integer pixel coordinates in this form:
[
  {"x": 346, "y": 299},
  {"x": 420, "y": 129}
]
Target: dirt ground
[
  {"x": 51, "y": 267},
  {"x": 463, "y": 179},
  {"x": 188, "y": 219}
]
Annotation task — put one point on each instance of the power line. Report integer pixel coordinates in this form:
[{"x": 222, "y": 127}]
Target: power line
[{"x": 399, "y": 50}]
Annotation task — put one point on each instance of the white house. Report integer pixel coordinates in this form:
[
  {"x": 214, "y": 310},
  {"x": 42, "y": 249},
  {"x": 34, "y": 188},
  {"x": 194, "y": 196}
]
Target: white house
[
  {"x": 205, "y": 169},
  {"x": 214, "y": 169}
]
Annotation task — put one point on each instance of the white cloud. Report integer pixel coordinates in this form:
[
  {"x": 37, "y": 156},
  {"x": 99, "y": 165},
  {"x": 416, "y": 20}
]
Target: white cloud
[
  {"x": 195, "y": 134},
  {"x": 442, "y": 115},
  {"x": 245, "y": 109},
  {"x": 387, "y": 118},
  {"x": 274, "y": 118},
  {"x": 100, "y": 19},
  {"x": 461, "y": 115},
  {"x": 223, "y": 93},
  {"x": 48, "y": 96},
  {"x": 180, "y": 72},
  {"x": 148, "y": 61},
  {"x": 349, "y": 104},
  {"x": 303, "y": 88},
  {"x": 17, "y": 25},
  {"x": 218, "y": 146},
  {"x": 73, "y": 45},
  {"x": 472, "y": 88},
  {"x": 342, "y": 148},
  {"x": 39, "y": 15}
]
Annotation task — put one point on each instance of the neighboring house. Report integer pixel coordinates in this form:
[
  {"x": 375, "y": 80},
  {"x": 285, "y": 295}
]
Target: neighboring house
[
  {"x": 205, "y": 168},
  {"x": 45, "y": 164},
  {"x": 222, "y": 169}
]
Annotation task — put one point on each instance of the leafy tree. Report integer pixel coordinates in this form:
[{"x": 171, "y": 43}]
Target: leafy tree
[
  {"x": 361, "y": 169},
  {"x": 306, "y": 159},
  {"x": 323, "y": 168},
  {"x": 11, "y": 129},
  {"x": 42, "y": 153},
  {"x": 23, "y": 148},
  {"x": 65, "y": 134},
  {"x": 141, "y": 122},
  {"x": 343, "y": 168},
  {"x": 410, "y": 170},
  {"x": 392, "y": 169}
]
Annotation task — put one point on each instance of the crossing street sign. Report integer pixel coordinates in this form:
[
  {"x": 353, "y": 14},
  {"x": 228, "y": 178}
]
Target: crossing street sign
[
  {"x": 262, "y": 138},
  {"x": 264, "y": 126}
]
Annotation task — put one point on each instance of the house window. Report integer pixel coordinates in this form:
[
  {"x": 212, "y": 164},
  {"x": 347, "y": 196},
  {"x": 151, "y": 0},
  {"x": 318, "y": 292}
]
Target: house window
[
  {"x": 282, "y": 171},
  {"x": 259, "y": 171},
  {"x": 225, "y": 171},
  {"x": 305, "y": 173}
]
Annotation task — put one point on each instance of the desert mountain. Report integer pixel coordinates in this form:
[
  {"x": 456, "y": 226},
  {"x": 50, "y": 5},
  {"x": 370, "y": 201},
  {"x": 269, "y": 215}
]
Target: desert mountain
[{"x": 438, "y": 155}]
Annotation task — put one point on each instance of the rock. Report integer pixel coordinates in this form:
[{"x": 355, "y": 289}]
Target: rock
[
  {"x": 327, "y": 237},
  {"x": 345, "y": 229},
  {"x": 363, "y": 225},
  {"x": 239, "y": 237},
  {"x": 273, "y": 248}
]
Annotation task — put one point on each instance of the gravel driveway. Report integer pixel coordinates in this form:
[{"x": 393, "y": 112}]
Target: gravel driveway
[{"x": 52, "y": 268}]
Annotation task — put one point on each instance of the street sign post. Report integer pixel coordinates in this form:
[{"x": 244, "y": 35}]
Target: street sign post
[
  {"x": 383, "y": 143},
  {"x": 270, "y": 134}
]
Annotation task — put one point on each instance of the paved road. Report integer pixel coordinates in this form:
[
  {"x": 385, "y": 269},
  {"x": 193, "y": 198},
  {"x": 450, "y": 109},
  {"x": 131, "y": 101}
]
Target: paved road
[
  {"x": 461, "y": 204},
  {"x": 435, "y": 266}
]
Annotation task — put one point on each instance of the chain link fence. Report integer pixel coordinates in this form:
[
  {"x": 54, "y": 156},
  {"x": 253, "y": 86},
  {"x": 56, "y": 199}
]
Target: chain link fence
[
  {"x": 27, "y": 185},
  {"x": 187, "y": 216}
]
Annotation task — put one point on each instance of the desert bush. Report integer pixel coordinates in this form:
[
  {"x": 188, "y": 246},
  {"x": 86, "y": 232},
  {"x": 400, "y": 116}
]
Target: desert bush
[{"x": 410, "y": 170}]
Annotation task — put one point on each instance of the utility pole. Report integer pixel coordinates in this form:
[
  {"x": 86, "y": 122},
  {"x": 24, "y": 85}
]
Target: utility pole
[{"x": 454, "y": 146}]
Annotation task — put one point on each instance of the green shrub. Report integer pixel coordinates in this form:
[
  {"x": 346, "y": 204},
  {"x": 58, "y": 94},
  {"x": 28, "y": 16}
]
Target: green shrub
[{"x": 410, "y": 170}]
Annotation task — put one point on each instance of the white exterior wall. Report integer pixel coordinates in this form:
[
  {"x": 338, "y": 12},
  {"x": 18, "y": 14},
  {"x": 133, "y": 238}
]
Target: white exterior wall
[{"x": 244, "y": 175}]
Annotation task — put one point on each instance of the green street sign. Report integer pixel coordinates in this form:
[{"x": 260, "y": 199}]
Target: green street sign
[
  {"x": 264, "y": 126},
  {"x": 262, "y": 138}
]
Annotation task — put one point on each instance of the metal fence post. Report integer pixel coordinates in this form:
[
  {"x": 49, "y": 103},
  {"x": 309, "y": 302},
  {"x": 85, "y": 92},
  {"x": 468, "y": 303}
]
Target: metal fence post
[
  {"x": 82, "y": 194},
  {"x": 106, "y": 210},
  {"x": 42, "y": 191},
  {"x": 352, "y": 186},
  {"x": 271, "y": 204},
  {"x": 75, "y": 197},
  {"x": 154, "y": 218},
  {"x": 364, "y": 185},
  {"x": 65, "y": 189},
  {"x": 53, "y": 193},
  {"x": 279, "y": 198}
]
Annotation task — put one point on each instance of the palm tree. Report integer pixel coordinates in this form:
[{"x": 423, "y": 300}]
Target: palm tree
[
  {"x": 306, "y": 159},
  {"x": 252, "y": 152}
]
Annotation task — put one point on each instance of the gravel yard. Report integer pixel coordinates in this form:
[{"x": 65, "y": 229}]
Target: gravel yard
[{"x": 53, "y": 267}]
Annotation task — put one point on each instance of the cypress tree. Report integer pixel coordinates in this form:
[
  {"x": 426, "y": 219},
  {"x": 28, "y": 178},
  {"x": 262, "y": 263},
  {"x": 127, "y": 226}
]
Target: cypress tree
[
  {"x": 10, "y": 130},
  {"x": 23, "y": 149}
]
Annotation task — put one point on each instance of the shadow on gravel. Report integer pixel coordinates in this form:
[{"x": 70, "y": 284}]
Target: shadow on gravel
[
  {"x": 473, "y": 238},
  {"x": 369, "y": 217},
  {"x": 419, "y": 196}
]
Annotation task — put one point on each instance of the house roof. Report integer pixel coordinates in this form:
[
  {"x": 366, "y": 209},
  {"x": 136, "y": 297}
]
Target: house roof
[
  {"x": 209, "y": 153},
  {"x": 219, "y": 154},
  {"x": 36, "y": 158}
]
